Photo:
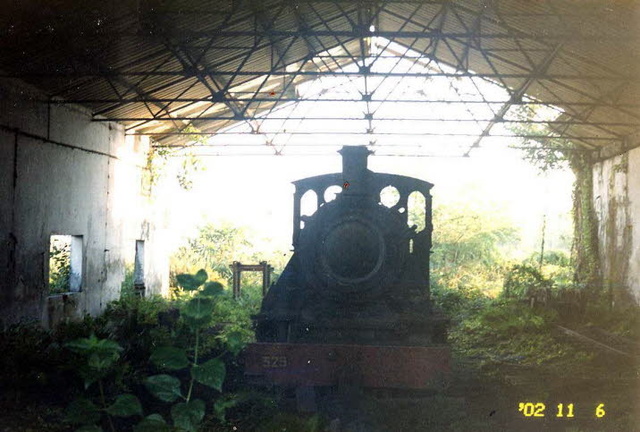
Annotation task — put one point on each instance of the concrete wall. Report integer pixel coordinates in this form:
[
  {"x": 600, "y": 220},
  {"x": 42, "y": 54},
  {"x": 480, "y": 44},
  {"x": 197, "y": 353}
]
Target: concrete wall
[
  {"x": 616, "y": 184},
  {"x": 62, "y": 174}
]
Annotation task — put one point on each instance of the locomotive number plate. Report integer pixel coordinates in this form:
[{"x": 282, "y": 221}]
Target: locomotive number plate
[{"x": 274, "y": 362}]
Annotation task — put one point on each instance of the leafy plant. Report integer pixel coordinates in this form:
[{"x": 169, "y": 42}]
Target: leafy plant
[
  {"x": 524, "y": 281},
  {"x": 59, "y": 267},
  {"x": 101, "y": 355},
  {"x": 188, "y": 358},
  {"x": 174, "y": 386}
]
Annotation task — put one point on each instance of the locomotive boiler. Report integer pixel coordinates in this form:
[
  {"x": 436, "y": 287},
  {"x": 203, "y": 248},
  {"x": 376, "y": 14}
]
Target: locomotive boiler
[{"x": 354, "y": 298}]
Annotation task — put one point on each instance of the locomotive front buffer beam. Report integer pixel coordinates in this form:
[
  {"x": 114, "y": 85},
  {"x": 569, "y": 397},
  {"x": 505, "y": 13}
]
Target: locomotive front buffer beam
[{"x": 366, "y": 366}]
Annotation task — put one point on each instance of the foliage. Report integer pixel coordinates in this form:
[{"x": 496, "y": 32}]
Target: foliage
[
  {"x": 176, "y": 354},
  {"x": 458, "y": 302},
  {"x": 544, "y": 153},
  {"x": 32, "y": 362},
  {"x": 215, "y": 247},
  {"x": 549, "y": 154},
  {"x": 158, "y": 161},
  {"x": 468, "y": 236},
  {"x": 236, "y": 313},
  {"x": 469, "y": 247},
  {"x": 507, "y": 331},
  {"x": 127, "y": 286},
  {"x": 555, "y": 266},
  {"x": 585, "y": 251},
  {"x": 138, "y": 324},
  {"x": 190, "y": 164},
  {"x": 524, "y": 281},
  {"x": 59, "y": 267},
  {"x": 197, "y": 312},
  {"x": 212, "y": 249},
  {"x": 100, "y": 358}
]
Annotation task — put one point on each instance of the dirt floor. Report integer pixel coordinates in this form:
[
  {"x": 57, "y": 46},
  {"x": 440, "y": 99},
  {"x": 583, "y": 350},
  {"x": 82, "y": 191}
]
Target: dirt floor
[
  {"x": 476, "y": 400},
  {"x": 602, "y": 399}
]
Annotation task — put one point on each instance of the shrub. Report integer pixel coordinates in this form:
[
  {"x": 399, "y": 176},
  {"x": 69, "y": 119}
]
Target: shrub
[{"x": 523, "y": 281}]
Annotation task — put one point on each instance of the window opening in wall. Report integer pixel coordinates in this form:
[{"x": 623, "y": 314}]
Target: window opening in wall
[
  {"x": 138, "y": 269},
  {"x": 65, "y": 264}
]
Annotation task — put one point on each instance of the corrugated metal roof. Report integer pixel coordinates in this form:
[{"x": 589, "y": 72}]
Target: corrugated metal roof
[{"x": 128, "y": 60}]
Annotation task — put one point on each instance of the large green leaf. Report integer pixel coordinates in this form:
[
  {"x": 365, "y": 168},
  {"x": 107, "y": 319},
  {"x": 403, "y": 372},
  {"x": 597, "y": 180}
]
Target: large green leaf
[
  {"x": 192, "y": 282},
  {"x": 222, "y": 404},
  {"x": 164, "y": 387},
  {"x": 200, "y": 277},
  {"x": 234, "y": 342},
  {"x": 152, "y": 423},
  {"x": 198, "y": 312},
  {"x": 101, "y": 353},
  {"x": 90, "y": 375},
  {"x": 187, "y": 282},
  {"x": 210, "y": 373},
  {"x": 170, "y": 358},
  {"x": 212, "y": 289},
  {"x": 199, "y": 308},
  {"x": 81, "y": 345},
  {"x": 82, "y": 411},
  {"x": 187, "y": 415},
  {"x": 125, "y": 405},
  {"x": 101, "y": 361}
]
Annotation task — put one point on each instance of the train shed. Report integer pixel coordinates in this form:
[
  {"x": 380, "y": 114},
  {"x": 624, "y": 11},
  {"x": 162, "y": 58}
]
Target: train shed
[{"x": 88, "y": 89}]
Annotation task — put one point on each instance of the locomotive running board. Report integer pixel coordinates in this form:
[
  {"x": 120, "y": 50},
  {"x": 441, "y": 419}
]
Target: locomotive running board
[{"x": 370, "y": 366}]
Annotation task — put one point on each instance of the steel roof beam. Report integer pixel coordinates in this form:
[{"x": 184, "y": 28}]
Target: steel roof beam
[
  {"x": 389, "y": 34},
  {"x": 517, "y": 95},
  {"x": 380, "y": 134},
  {"x": 395, "y": 119},
  {"x": 259, "y": 73},
  {"x": 614, "y": 76}
]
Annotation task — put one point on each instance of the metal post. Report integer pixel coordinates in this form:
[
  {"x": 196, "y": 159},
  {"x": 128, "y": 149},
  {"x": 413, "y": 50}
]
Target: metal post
[
  {"x": 266, "y": 277},
  {"x": 236, "y": 279}
]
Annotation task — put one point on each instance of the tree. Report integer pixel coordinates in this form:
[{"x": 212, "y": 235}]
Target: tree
[
  {"x": 216, "y": 246},
  {"x": 469, "y": 245}
]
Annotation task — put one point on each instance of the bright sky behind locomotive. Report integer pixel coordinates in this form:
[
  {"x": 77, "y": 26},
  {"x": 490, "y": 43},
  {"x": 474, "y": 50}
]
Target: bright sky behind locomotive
[{"x": 526, "y": 198}]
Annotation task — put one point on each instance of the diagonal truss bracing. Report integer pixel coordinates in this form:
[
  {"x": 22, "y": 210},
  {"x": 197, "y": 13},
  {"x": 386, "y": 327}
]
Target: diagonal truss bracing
[{"x": 247, "y": 67}]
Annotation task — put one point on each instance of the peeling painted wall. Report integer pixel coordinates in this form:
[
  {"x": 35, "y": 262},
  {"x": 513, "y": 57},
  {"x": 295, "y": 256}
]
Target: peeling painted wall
[
  {"x": 62, "y": 174},
  {"x": 617, "y": 205}
]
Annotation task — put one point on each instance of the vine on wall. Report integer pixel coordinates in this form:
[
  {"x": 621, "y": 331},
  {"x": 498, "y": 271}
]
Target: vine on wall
[
  {"x": 158, "y": 161},
  {"x": 584, "y": 252},
  {"x": 550, "y": 154}
]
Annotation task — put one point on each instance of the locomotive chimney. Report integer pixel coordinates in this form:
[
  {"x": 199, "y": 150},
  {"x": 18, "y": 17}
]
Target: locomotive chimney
[{"x": 354, "y": 167}]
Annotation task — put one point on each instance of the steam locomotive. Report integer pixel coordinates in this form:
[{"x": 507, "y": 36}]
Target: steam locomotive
[{"x": 353, "y": 302}]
